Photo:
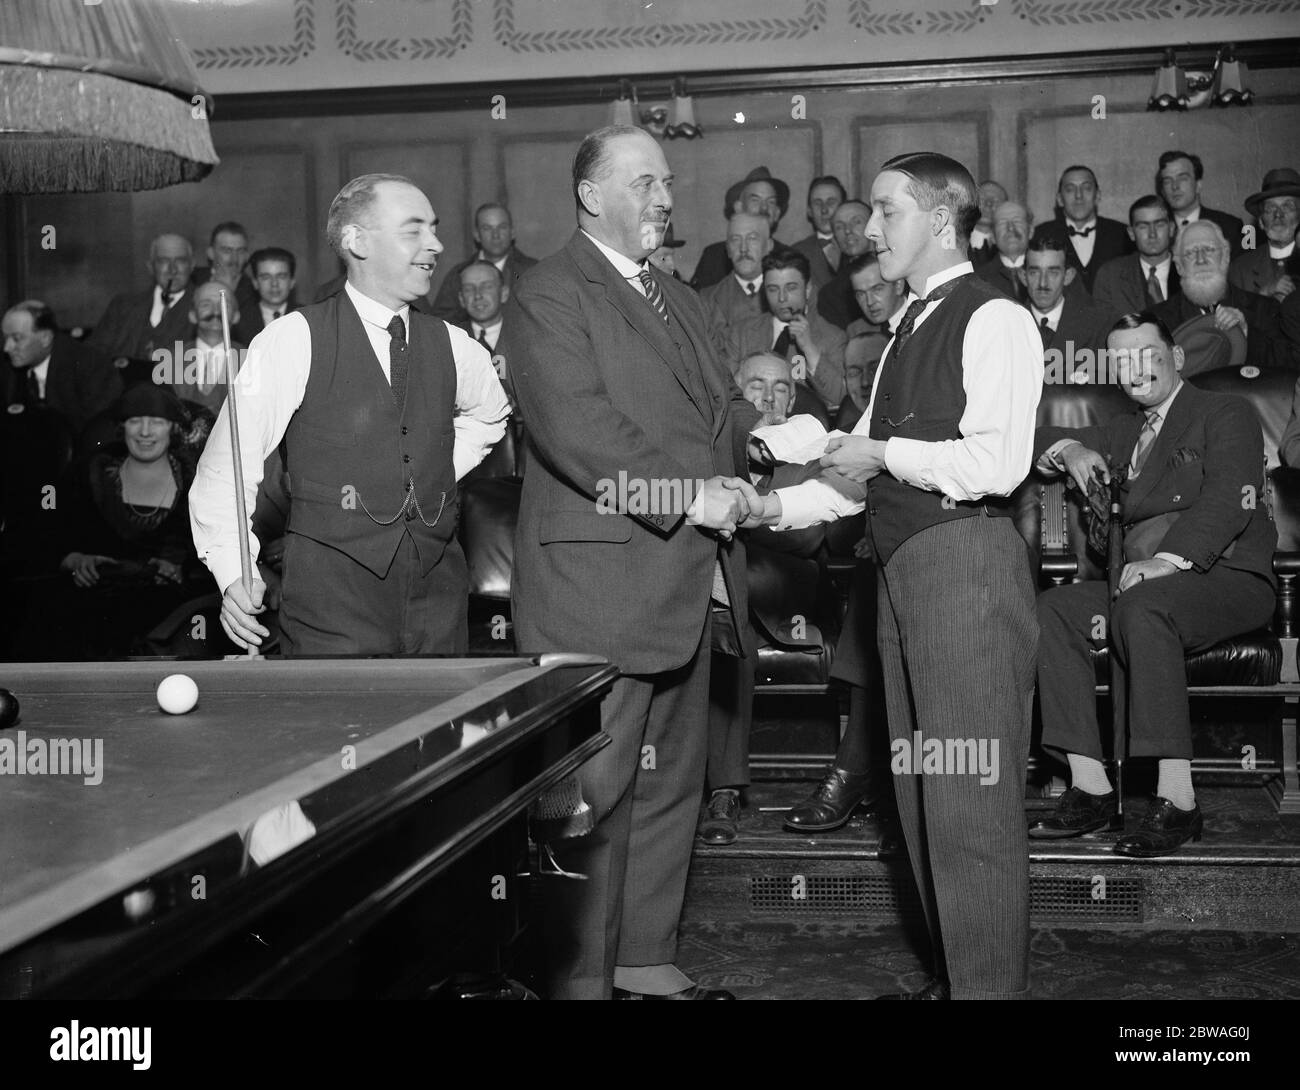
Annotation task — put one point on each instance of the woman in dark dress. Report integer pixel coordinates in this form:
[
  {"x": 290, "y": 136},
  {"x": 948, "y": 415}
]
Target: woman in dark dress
[{"x": 126, "y": 542}]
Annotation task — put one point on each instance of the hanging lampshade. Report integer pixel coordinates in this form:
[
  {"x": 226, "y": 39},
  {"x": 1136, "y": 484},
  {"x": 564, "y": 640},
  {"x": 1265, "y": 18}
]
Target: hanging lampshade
[
  {"x": 1170, "y": 89},
  {"x": 620, "y": 111},
  {"x": 1230, "y": 80},
  {"x": 97, "y": 97},
  {"x": 682, "y": 123}
]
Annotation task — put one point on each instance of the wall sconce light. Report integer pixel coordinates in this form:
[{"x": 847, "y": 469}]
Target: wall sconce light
[
  {"x": 683, "y": 122},
  {"x": 1230, "y": 80},
  {"x": 620, "y": 110},
  {"x": 1170, "y": 89}
]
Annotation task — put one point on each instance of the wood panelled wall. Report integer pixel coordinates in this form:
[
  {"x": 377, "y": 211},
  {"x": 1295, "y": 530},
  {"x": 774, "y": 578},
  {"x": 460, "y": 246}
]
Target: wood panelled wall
[{"x": 278, "y": 176}]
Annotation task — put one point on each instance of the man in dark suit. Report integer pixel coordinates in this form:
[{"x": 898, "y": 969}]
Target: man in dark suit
[
  {"x": 494, "y": 233},
  {"x": 227, "y": 258},
  {"x": 948, "y": 436},
  {"x": 1073, "y": 328},
  {"x": 135, "y": 324},
  {"x": 273, "y": 272},
  {"x": 1178, "y": 180},
  {"x": 1136, "y": 282},
  {"x": 792, "y": 330},
  {"x": 1201, "y": 257},
  {"x": 51, "y": 370},
  {"x": 825, "y": 194},
  {"x": 758, "y": 194},
  {"x": 199, "y": 370},
  {"x": 1011, "y": 226},
  {"x": 623, "y": 395},
  {"x": 1271, "y": 268},
  {"x": 1090, "y": 239},
  {"x": 739, "y": 294},
  {"x": 836, "y": 302},
  {"x": 1198, "y": 546}
]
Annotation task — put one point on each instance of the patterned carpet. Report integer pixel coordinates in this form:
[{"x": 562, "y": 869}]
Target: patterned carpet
[{"x": 784, "y": 959}]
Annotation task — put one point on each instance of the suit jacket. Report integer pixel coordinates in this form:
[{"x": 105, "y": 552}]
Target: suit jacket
[
  {"x": 1230, "y": 224},
  {"x": 1112, "y": 241},
  {"x": 80, "y": 384},
  {"x": 609, "y": 399},
  {"x": 1265, "y": 346},
  {"x": 984, "y": 253},
  {"x": 811, "y": 248},
  {"x": 124, "y": 330},
  {"x": 755, "y": 335},
  {"x": 1188, "y": 498},
  {"x": 727, "y": 304},
  {"x": 836, "y": 301},
  {"x": 1255, "y": 271},
  {"x": 1004, "y": 278},
  {"x": 1121, "y": 285},
  {"x": 1083, "y": 324},
  {"x": 213, "y": 397},
  {"x": 250, "y": 322},
  {"x": 446, "y": 303},
  {"x": 714, "y": 264}
]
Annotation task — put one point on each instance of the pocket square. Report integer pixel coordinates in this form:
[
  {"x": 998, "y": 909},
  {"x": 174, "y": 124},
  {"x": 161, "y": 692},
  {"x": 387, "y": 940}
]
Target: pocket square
[{"x": 1183, "y": 456}]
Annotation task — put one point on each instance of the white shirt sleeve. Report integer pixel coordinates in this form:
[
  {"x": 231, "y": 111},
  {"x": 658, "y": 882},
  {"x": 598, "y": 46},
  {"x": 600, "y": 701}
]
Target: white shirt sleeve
[
  {"x": 268, "y": 391},
  {"x": 1002, "y": 376},
  {"x": 481, "y": 403}
]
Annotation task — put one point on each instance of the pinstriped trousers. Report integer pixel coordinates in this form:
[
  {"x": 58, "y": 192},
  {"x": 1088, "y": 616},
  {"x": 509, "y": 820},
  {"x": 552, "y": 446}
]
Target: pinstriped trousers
[{"x": 958, "y": 636}]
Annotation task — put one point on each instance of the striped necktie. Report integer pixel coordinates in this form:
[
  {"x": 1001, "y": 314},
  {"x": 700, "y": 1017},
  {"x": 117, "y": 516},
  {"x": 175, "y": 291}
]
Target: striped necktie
[
  {"x": 1146, "y": 439},
  {"x": 1154, "y": 292},
  {"x": 654, "y": 294}
]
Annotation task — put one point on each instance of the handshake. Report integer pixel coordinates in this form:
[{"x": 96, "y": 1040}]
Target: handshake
[{"x": 726, "y": 504}]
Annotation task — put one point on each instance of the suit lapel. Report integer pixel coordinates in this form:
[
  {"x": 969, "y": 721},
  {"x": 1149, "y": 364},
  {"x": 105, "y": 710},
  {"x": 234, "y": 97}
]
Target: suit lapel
[
  {"x": 699, "y": 338},
  {"x": 1180, "y": 418}
]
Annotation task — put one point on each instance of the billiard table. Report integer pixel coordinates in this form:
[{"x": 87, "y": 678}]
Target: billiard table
[{"x": 326, "y": 827}]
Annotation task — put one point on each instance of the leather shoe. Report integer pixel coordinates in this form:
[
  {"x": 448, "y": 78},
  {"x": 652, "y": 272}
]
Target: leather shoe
[
  {"x": 1163, "y": 831},
  {"x": 720, "y": 823},
  {"x": 693, "y": 992},
  {"x": 1077, "y": 812},
  {"x": 936, "y": 989},
  {"x": 832, "y": 802}
]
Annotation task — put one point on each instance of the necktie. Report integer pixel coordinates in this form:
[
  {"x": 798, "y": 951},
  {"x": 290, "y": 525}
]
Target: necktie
[
  {"x": 1146, "y": 438},
  {"x": 1082, "y": 232},
  {"x": 654, "y": 294},
  {"x": 274, "y": 315},
  {"x": 1153, "y": 287},
  {"x": 917, "y": 306},
  {"x": 1045, "y": 331},
  {"x": 482, "y": 339},
  {"x": 782, "y": 345},
  {"x": 397, "y": 359},
  {"x": 832, "y": 253},
  {"x": 750, "y": 289},
  {"x": 33, "y": 389}
]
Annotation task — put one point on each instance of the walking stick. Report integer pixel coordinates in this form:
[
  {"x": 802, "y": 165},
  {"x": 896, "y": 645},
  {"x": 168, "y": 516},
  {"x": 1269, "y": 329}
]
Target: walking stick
[{"x": 1114, "y": 569}]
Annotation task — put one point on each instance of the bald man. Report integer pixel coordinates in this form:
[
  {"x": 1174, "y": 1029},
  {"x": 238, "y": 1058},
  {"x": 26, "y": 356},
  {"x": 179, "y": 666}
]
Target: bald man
[{"x": 197, "y": 370}]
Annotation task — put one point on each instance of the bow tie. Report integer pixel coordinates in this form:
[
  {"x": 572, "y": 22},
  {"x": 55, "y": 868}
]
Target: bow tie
[{"x": 1082, "y": 233}]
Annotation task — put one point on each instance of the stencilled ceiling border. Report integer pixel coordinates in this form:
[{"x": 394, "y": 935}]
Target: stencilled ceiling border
[{"x": 246, "y": 46}]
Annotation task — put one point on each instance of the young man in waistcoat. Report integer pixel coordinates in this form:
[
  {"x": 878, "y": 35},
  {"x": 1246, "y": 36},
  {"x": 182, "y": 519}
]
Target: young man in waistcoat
[
  {"x": 382, "y": 409},
  {"x": 947, "y": 436}
]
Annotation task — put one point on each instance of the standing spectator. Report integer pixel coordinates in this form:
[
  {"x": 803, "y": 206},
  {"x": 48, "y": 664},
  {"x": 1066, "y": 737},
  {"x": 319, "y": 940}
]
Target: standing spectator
[
  {"x": 494, "y": 234},
  {"x": 1178, "y": 180}
]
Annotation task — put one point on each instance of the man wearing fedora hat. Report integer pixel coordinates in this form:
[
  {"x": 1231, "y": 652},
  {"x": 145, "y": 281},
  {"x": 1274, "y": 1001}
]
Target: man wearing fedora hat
[
  {"x": 758, "y": 193},
  {"x": 1270, "y": 268}
]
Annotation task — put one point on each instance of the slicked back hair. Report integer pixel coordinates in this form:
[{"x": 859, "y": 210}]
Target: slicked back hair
[
  {"x": 351, "y": 204},
  {"x": 1137, "y": 319},
  {"x": 42, "y": 316},
  {"x": 1078, "y": 166},
  {"x": 591, "y": 162},
  {"x": 1149, "y": 201},
  {"x": 227, "y": 227},
  {"x": 790, "y": 260},
  {"x": 938, "y": 180},
  {"x": 273, "y": 253},
  {"x": 1049, "y": 240},
  {"x": 863, "y": 261},
  {"x": 828, "y": 179}
]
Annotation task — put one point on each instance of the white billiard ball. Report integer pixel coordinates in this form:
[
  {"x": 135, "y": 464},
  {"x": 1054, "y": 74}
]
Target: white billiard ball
[{"x": 177, "y": 694}]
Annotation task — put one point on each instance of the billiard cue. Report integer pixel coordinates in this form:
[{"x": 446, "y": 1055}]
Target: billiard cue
[
  {"x": 241, "y": 505},
  {"x": 1114, "y": 569}
]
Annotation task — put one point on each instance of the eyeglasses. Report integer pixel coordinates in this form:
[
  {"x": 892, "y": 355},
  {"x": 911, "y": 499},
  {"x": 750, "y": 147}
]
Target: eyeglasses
[{"x": 1199, "y": 253}]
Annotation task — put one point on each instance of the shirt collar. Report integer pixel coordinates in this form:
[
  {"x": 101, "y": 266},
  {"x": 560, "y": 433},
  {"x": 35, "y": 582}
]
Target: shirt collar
[
  {"x": 42, "y": 369},
  {"x": 1053, "y": 316},
  {"x": 1189, "y": 217},
  {"x": 477, "y": 328},
  {"x": 1278, "y": 252},
  {"x": 950, "y": 273},
  {"x": 623, "y": 265},
  {"x": 757, "y": 283},
  {"x": 1163, "y": 408},
  {"x": 1088, "y": 224},
  {"x": 891, "y": 323},
  {"x": 824, "y": 238},
  {"x": 1160, "y": 266},
  {"x": 373, "y": 313},
  {"x": 1012, "y": 263},
  {"x": 500, "y": 262}
]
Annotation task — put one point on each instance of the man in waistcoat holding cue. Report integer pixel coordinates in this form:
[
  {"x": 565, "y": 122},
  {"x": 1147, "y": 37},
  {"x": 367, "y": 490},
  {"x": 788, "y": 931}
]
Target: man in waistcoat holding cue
[
  {"x": 948, "y": 435},
  {"x": 382, "y": 409}
]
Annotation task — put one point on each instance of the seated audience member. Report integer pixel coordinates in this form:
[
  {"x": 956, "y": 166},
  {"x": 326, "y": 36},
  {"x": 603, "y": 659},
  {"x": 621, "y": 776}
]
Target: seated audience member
[
  {"x": 758, "y": 194},
  {"x": 1090, "y": 239},
  {"x": 1198, "y": 569},
  {"x": 883, "y": 303},
  {"x": 126, "y": 547},
  {"x": 836, "y": 302},
  {"x": 825, "y": 194},
  {"x": 983, "y": 246},
  {"x": 273, "y": 272},
  {"x": 792, "y": 330},
  {"x": 1135, "y": 282},
  {"x": 1178, "y": 180},
  {"x": 1074, "y": 326},
  {"x": 767, "y": 383},
  {"x": 494, "y": 234},
  {"x": 1011, "y": 225},
  {"x": 739, "y": 295},
  {"x": 1201, "y": 257},
  {"x": 201, "y": 374},
  {"x": 1271, "y": 267},
  {"x": 134, "y": 324},
  {"x": 49, "y": 369},
  {"x": 663, "y": 258},
  {"x": 227, "y": 258}
]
